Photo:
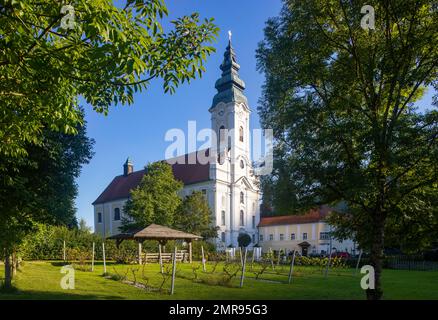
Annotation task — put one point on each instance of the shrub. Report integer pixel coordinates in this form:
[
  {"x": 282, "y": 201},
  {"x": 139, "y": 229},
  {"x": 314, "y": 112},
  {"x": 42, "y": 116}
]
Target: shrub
[{"x": 244, "y": 240}]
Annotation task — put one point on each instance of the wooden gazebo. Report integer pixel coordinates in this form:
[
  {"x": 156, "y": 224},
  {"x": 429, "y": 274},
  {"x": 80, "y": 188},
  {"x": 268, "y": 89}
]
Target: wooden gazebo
[{"x": 156, "y": 232}]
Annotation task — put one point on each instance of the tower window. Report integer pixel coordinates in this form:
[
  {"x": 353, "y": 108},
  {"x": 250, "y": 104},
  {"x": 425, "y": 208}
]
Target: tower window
[
  {"x": 223, "y": 217},
  {"x": 253, "y": 222},
  {"x": 242, "y": 197},
  {"x": 116, "y": 214},
  {"x": 242, "y": 164},
  {"x": 99, "y": 217},
  {"x": 222, "y": 136},
  {"x": 241, "y": 134},
  {"x": 242, "y": 218},
  {"x": 223, "y": 236}
]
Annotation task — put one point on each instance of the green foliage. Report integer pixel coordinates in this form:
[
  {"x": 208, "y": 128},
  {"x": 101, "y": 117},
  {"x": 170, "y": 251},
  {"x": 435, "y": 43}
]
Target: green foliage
[
  {"x": 47, "y": 243},
  {"x": 341, "y": 102},
  {"x": 110, "y": 54},
  {"x": 209, "y": 250},
  {"x": 194, "y": 216},
  {"x": 155, "y": 200},
  {"x": 244, "y": 239},
  {"x": 126, "y": 253},
  {"x": 41, "y": 188},
  {"x": 335, "y": 262}
]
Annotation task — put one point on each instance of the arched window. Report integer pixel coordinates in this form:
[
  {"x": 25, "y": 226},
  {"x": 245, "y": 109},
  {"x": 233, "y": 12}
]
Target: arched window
[
  {"x": 223, "y": 217},
  {"x": 242, "y": 197},
  {"x": 242, "y": 218},
  {"x": 116, "y": 214},
  {"x": 241, "y": 134},
  {"x": 242, "y": 164},
  {"x": 222, "y": 135},
  {"x": 99, "y": 217}
]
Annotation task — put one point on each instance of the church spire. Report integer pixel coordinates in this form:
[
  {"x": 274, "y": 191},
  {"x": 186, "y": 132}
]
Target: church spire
[{"x": 230, "y": 87}]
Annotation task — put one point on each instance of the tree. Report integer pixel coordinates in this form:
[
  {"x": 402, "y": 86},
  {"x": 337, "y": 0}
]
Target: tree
[
  {"x": 155, "y": 200},
  {"x": 244, "y": 240},
  {"x": 83, "y": 227},
  {"x": 194, "y": 216},
  {"x": 48, "y": 58},
  {"x": 41, "y": 188},
  {"x": 104, "y": 53},
  {"x": 341, "y": 101}
]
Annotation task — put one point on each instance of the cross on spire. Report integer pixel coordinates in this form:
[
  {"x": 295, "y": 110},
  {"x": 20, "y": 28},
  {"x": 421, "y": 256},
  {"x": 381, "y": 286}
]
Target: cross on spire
[{"x": 229, "y": 35}]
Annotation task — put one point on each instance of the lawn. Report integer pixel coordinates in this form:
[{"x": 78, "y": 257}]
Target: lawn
[{"x": 41, "y": 280}]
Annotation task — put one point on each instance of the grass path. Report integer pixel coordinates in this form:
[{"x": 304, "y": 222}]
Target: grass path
[{"x": 41, "y": 280}]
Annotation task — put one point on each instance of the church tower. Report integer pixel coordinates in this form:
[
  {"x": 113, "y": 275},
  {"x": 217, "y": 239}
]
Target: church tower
[{"x": 237, "y": 193}]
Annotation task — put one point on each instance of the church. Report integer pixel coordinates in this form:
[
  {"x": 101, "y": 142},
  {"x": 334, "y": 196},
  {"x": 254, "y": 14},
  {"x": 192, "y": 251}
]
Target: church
[{"x": 228, "y": 181}]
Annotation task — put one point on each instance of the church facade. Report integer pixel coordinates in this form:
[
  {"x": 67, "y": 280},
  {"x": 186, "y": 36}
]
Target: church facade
[{"x": 227, "y": 180}]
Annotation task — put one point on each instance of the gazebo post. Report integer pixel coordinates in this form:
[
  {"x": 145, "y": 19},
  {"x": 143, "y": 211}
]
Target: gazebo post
[{"x": 190, "y": 251}]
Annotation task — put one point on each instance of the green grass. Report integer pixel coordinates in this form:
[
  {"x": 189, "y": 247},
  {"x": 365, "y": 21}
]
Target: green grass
[{"x": 41, "y": 280}]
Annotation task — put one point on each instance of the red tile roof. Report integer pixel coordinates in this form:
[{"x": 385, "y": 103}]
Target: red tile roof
[
  {"x": 312, "y": 216},
  {"x": 186, "y": 172}
]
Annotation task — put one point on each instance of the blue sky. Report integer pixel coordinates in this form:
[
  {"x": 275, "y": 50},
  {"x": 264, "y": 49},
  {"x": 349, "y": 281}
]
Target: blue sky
[{"x": 138, "y": 130}]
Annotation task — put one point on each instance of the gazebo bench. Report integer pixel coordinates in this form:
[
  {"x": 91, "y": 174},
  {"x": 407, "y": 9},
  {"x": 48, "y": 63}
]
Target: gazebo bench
[{"x": 181, "y": 256}]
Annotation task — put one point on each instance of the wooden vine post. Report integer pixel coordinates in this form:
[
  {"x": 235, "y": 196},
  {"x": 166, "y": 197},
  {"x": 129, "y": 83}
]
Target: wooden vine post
[
  {"x": 172, "y": 286},
  {"x": 291, "y": 270},
  {"x": 160, "y": 258},
  {"x": 203, "y": 259},
  {"x": 242, "y": 277},
  {"x": 92, "y": 257},
  {"x": 104, "y": 257}
]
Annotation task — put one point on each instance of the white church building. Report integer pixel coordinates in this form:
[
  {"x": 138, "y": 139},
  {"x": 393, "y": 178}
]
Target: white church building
[{"x": 228, "y": 182}]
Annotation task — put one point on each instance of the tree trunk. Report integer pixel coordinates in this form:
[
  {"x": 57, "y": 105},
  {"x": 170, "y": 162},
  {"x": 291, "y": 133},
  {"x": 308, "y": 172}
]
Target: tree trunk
[
  {"x": 14, "y": 262},
  {"x": 8, "y": 270},
  {"x": 376, "y": 257}
]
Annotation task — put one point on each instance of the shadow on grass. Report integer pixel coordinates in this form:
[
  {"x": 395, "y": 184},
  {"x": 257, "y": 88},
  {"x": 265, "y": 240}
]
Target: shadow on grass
[
  {"x": 16, "y": 294},
  {"x": 97, "y": 263}
]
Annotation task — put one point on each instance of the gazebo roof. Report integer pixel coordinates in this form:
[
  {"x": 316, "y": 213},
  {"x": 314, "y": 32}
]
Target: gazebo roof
[{"x": 156, "y": 232}]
